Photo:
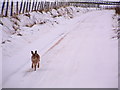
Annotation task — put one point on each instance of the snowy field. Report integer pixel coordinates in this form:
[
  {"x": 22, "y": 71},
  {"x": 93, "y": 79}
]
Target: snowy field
[
  {"x": 0, "y": 57},
  {"x": 77, "y": 50}
]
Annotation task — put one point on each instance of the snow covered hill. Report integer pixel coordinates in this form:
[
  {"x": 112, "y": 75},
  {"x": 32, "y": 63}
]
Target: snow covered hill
[{"x": 77, "y": 50}]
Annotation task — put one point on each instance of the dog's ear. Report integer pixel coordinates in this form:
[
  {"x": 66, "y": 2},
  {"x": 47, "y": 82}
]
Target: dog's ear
[
  {"x": 32, "y": 52},
  {"x": 36, "y": 52}
]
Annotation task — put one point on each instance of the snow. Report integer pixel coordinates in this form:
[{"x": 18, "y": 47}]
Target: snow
[
  {"x": 0, "y": 57},
  {"x": 31, "y": 33},
  {"x": 118, "y": 50},
  {"x": 75, "y": 53}
]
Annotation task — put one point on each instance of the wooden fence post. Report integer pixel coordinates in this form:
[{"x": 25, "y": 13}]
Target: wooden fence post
[
  {"x": 3, "y": 5},
  {"x": 38, "y": 6},
  {"x": 55, "y": 5},
  {"x": 33, "y": 6},
  {"x": 45, "y": 6},
  {"x": 42, "y": 6},
  {"x": 6, "y": 13},
  {"x": 11, "y": 13},
  {"x": 24, "y": 7},
  {"x": 29, "y": 5},
  {"x": 48, "y": 5},
  {"x": 17, "y": 7},
  {"x": 21, "y": 6}
]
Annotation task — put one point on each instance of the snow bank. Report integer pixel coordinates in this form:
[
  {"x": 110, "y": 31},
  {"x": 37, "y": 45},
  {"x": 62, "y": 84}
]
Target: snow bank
[
  {"x": 22, "y": 29},
  {"x": 116, "y": 26}
]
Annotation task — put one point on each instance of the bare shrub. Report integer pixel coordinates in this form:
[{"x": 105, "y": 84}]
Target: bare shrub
[
  {"x": 16, "y": 17},
  {"x": 117, "y": 10},
  {"x": 27, "y": 14},
  {"x": 29, "y": 25}
]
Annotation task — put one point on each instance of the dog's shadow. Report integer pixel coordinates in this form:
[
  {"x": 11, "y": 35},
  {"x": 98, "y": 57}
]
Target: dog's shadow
[{"x": 28, "y": 72}]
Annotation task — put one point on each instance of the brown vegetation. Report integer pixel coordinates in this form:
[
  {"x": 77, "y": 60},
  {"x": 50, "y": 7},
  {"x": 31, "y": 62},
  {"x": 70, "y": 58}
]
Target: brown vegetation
[{"x": 117, "y": 10}]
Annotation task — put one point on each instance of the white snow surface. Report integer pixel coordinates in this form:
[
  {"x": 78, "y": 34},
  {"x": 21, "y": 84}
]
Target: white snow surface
[
  {"x": 75, "y": 53},
  {"x": 0, "y": 57}
]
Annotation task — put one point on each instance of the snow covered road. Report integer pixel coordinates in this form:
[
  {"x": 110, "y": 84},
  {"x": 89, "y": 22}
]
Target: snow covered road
[{"x": 85, "y": 57}]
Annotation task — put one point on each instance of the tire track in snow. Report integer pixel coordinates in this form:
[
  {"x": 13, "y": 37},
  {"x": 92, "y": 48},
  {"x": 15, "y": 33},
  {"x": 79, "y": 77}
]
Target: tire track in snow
[{"x": 55, "y": 44}]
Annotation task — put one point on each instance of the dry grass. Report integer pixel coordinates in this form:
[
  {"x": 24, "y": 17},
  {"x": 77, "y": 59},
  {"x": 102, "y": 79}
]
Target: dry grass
[
  {"x": 117, "y": 10},
  {"x": 16, "y": 17},
  {"x": 28, "y": 15}
]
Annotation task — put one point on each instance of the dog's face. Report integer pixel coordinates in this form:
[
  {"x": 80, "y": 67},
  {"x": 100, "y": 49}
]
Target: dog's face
[{"x": 34, "y": 55}]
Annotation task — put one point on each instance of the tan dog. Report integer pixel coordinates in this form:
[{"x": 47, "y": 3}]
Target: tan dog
[{"x": 35, "y": 59}]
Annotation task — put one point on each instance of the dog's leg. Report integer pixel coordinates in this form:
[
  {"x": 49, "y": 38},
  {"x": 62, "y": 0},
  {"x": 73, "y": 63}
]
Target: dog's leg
[
  {"x": 32, "y": 65},
  {"x": 38, "y": 65},
  {"x": 35, "y": 67}
]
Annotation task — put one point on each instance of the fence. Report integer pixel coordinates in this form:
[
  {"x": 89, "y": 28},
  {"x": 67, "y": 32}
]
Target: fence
[
  {"x": 25, "y": 6},
  {"x": 15, "y": 8}
]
